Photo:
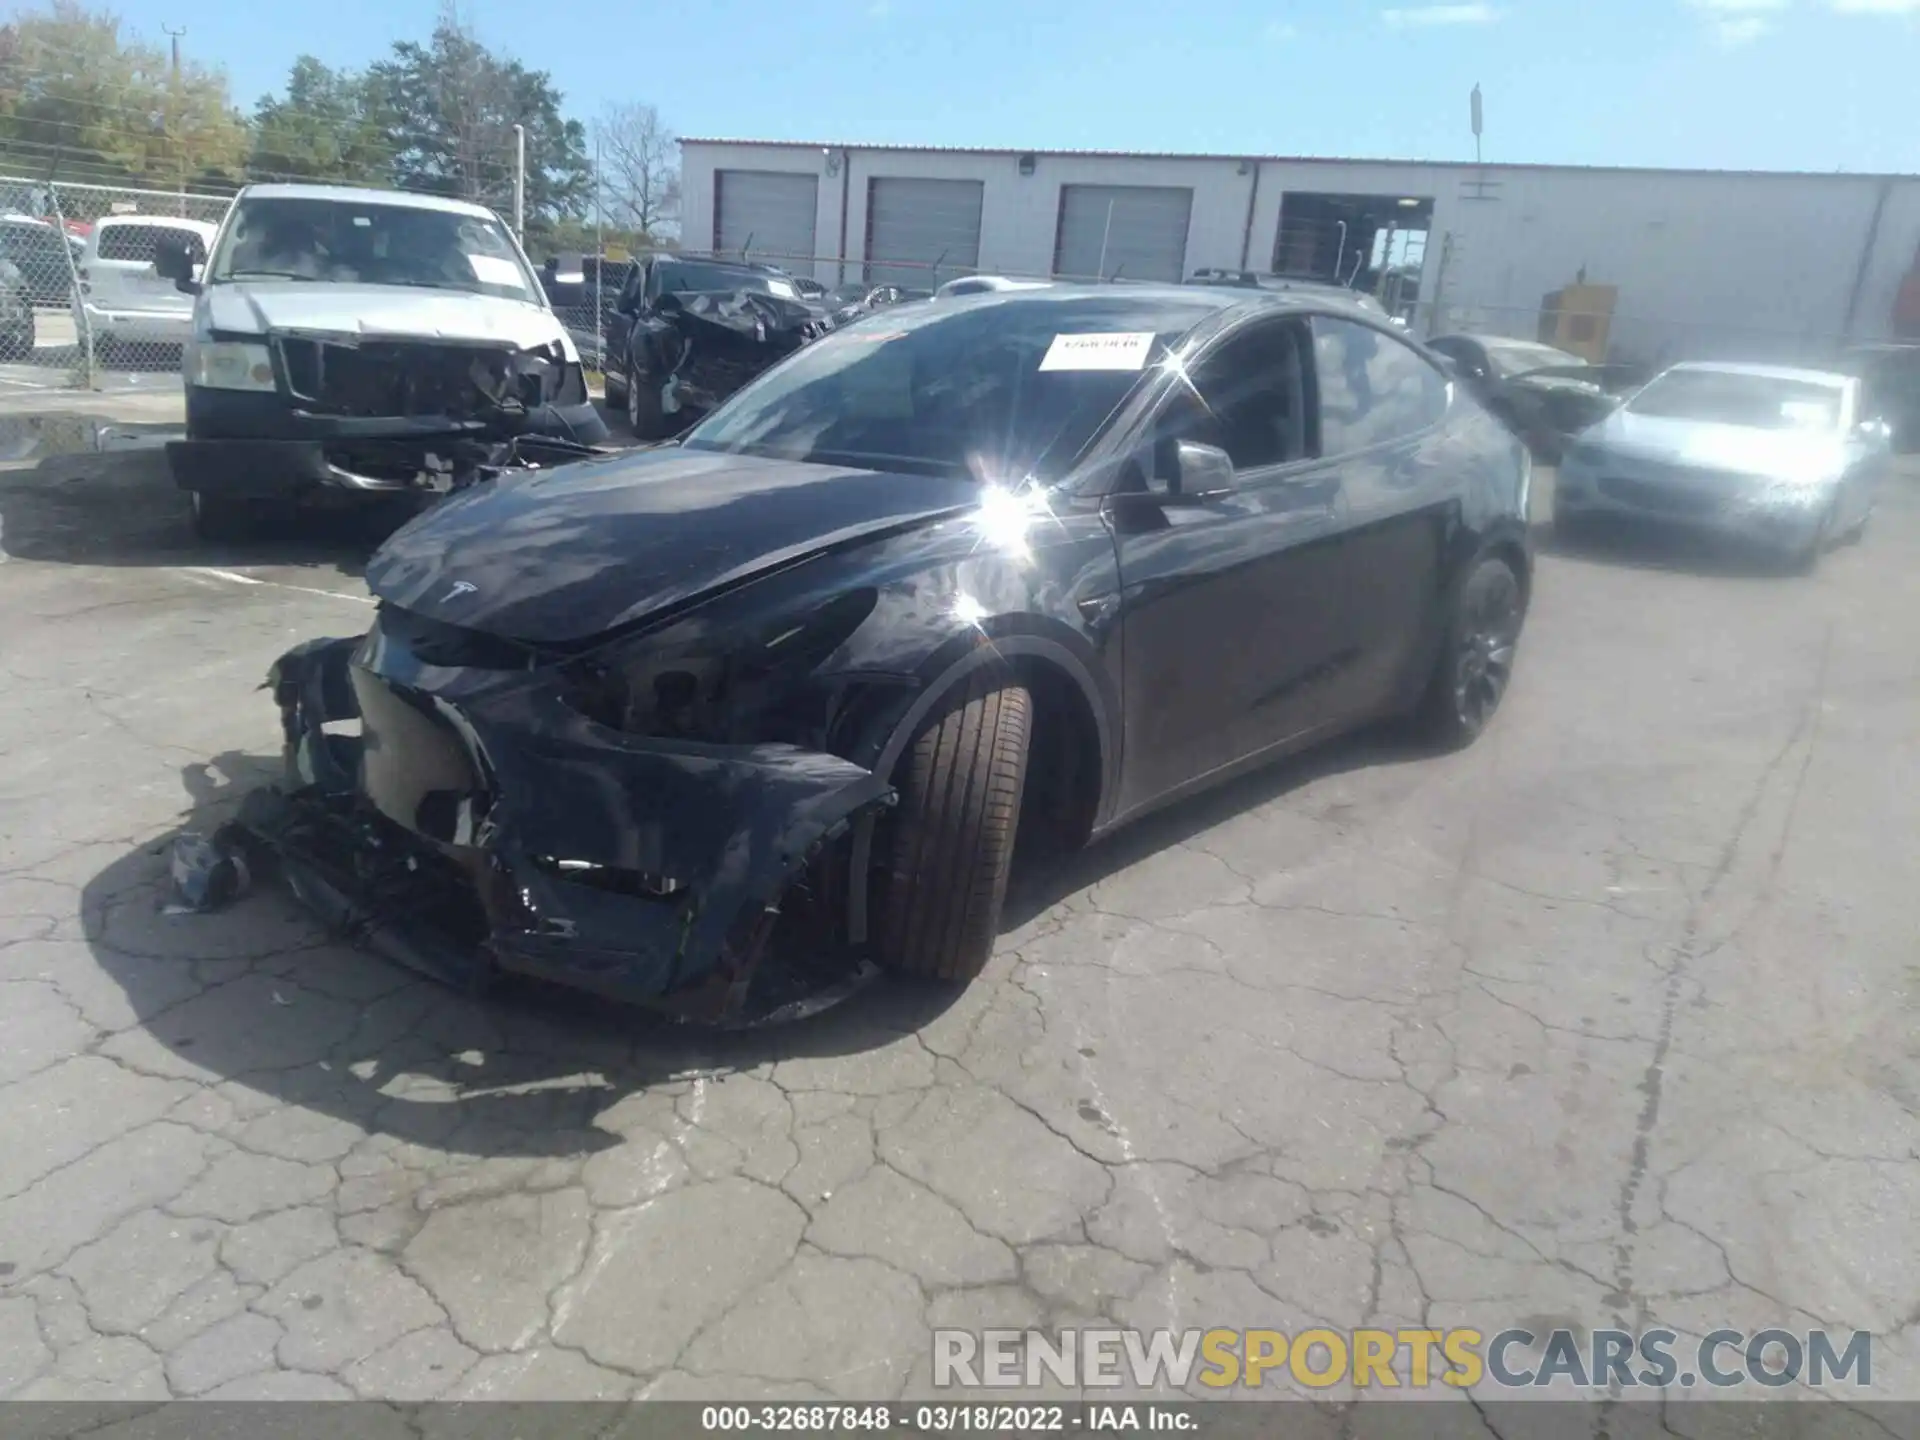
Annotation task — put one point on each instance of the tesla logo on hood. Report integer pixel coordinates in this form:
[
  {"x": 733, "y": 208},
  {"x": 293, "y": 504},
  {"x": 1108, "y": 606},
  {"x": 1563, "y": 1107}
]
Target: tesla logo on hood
[{"x": 459, "y": 588}]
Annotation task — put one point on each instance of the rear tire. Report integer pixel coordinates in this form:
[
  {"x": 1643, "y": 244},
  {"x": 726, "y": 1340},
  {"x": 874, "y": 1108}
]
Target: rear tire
[
  {"x": 1476, "y": 658},
  {"x": 944, "y": 878}
]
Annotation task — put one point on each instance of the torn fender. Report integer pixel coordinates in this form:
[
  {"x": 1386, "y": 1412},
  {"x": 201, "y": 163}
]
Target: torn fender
[{"x": 648, "y": 870}]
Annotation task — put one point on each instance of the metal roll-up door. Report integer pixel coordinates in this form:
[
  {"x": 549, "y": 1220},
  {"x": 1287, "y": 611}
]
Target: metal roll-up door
[
  {"x": 914, "y": 225},
  {"x": 768, "y": 213},
  {"x": 1136, "y": 232}
]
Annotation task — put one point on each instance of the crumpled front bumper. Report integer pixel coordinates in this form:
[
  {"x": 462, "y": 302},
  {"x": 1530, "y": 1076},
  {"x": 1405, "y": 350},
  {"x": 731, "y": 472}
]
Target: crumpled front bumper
[
  {"x": 478, "y": 823},
  {"x": 258, "y": 445}
]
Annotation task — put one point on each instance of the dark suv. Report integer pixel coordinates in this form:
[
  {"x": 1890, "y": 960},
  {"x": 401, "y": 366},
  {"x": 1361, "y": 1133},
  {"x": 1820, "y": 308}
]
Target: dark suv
[{"x": 685, "y": 334}]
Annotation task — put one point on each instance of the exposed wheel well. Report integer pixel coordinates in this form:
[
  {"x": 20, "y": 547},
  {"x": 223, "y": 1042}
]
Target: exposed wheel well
[
  {"x": 1510, "y": 551},
  {"x": 1064, "y": 773},
  {"x": 1064, "y": 763}
]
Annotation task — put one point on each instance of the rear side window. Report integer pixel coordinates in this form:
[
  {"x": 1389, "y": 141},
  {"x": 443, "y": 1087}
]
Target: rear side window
[
  {"x": 137, "y": 242},
  {"x": 1373, "y": 388}
]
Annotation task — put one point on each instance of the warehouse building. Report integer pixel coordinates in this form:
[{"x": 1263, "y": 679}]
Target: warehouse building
[{"x": 1641, "y": 265}]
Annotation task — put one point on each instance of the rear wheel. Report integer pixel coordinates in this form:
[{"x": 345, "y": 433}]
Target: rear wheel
[
  {"x": 1476, "y": 659},
  {"x": 944, "y": 875}
]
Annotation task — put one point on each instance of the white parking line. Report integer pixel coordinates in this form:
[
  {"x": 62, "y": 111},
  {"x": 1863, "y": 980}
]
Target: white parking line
[{"x": 234, "y": 577}]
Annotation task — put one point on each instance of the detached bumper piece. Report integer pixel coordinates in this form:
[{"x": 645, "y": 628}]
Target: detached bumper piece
[{"x": 478, "y": 825}]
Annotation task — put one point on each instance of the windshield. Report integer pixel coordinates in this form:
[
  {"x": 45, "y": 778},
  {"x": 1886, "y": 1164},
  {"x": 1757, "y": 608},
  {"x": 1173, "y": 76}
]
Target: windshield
[
  {"x": 980, "y": 389},
  {"x": 1518, "y": 357},
  {"x": 1726, "y": 397},
  {"x": 350, "y": 242},
  {"x": 694, "y": 277}
]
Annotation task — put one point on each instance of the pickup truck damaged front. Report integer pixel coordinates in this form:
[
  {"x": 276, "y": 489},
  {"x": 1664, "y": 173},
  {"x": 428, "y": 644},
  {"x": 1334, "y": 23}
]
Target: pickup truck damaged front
[{"x": 479, "y": 823}]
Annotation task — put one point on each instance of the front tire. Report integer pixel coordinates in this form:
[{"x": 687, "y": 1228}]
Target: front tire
[
  {"x": 644, "y": 416},
  {"x": 945, "y": 872},
  {"x": 19, "y": 345},
  {"x": 1476, "y": 657}
]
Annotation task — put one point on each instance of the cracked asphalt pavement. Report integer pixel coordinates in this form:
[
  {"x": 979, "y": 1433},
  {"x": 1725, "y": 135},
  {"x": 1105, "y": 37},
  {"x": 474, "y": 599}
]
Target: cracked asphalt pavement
[{"x": 1608, "y": 1021}]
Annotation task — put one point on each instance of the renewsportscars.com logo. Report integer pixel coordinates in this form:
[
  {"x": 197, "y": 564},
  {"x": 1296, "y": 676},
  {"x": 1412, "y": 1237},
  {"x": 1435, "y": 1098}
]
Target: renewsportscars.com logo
[{"x": 1392, "y": 1359}]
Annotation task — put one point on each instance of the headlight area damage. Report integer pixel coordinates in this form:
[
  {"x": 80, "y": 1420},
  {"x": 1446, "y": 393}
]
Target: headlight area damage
[
  {"x": 342, "y": 417},
  {"x": 478, "y": 824}
]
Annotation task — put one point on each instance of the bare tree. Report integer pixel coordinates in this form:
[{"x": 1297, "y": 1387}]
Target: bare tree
[{"x": 639, "y": 170}]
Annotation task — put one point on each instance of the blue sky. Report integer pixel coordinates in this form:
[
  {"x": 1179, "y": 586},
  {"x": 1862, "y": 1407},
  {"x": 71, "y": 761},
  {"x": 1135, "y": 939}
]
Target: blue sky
[{"x": 1764, "y": 84}]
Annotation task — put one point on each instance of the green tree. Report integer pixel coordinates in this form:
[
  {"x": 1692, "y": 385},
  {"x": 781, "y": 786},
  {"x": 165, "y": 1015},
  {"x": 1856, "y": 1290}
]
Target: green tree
[
  {"x": 80, "y": 99},
  {"x": 328, "y": 126},
  {"x": 451, "y": 105}
]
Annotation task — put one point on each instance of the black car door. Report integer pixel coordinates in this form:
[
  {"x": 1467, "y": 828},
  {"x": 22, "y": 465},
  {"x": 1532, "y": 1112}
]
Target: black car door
[
  {"x": 620, "y": 321},
  {"x": 1232, "y": 607},
  {"x": 1382, "y": 408}
]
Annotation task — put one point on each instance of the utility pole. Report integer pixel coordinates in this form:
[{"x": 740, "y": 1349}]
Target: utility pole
[
  {"x": 173, "y": 116},
  {"x": 599, "y": 255},
  {"x": 520, "y": 183}
]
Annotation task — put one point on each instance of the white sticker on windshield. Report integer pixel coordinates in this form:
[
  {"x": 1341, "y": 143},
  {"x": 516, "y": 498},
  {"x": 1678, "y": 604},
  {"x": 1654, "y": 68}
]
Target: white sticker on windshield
[
  {"x": 494, "y": 270},
  {"x": 1121, "y": 350}
]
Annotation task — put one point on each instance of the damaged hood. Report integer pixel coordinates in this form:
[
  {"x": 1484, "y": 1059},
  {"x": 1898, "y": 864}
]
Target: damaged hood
[
  {"x": 377, "y": 312},
  {"x": 564, "y": 555}
]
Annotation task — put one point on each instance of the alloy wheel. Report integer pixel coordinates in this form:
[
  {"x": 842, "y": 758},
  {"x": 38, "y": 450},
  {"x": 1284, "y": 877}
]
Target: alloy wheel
[{"x": 1490, "y": 616}]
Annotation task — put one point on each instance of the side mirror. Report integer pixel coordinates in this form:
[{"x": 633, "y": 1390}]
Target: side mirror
[
  {"x": 1200, "y": 472},
  {"x": 172, "y": 260}
]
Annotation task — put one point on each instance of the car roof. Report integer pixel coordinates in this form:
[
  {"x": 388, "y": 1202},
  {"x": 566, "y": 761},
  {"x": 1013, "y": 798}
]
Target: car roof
[
  {"x": 366, "y": 195},
  {"x": 171, "y": 222},
  {"x": 1479, "y": 339},
  {"x": 1195, "y": 297},
  {"x": 1764, "y": 372}
]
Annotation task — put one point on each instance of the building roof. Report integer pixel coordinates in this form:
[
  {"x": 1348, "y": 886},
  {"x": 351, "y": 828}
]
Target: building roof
[{"x": 853, "y": 145}]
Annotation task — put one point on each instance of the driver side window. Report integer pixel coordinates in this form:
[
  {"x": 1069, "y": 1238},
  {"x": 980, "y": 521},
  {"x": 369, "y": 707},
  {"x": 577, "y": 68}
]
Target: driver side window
[{"x": 1248, "y": 398}]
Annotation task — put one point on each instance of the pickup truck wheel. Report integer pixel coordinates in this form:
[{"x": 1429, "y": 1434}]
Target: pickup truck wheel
[
  {"x": 944, "y": 873},
  {"x": 19, "y": 344},
  {"x": 644, "y": 417}
]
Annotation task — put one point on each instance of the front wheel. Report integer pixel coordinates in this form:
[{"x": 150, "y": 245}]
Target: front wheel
[
  {"x": 944, "y": 875},
  {"x": 19, "y": 344},
  {"x": 1476, "y": 658},
  {"x": 644, "y": 416}
]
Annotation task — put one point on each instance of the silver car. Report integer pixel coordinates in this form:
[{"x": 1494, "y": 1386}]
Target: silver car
[{"x": 1780, "y": 457}]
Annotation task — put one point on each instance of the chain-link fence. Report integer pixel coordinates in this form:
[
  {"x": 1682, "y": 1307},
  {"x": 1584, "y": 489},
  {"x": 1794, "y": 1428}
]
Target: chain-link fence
[{"x": 82, "y": 301}]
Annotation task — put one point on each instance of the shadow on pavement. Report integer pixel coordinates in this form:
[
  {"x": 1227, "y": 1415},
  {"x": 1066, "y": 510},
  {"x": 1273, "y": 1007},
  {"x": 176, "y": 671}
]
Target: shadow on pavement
[
  {"x": 256, "y": 994},
  {"x": 1044, "y": 881},
  {"x": 121, "y": 507}
]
